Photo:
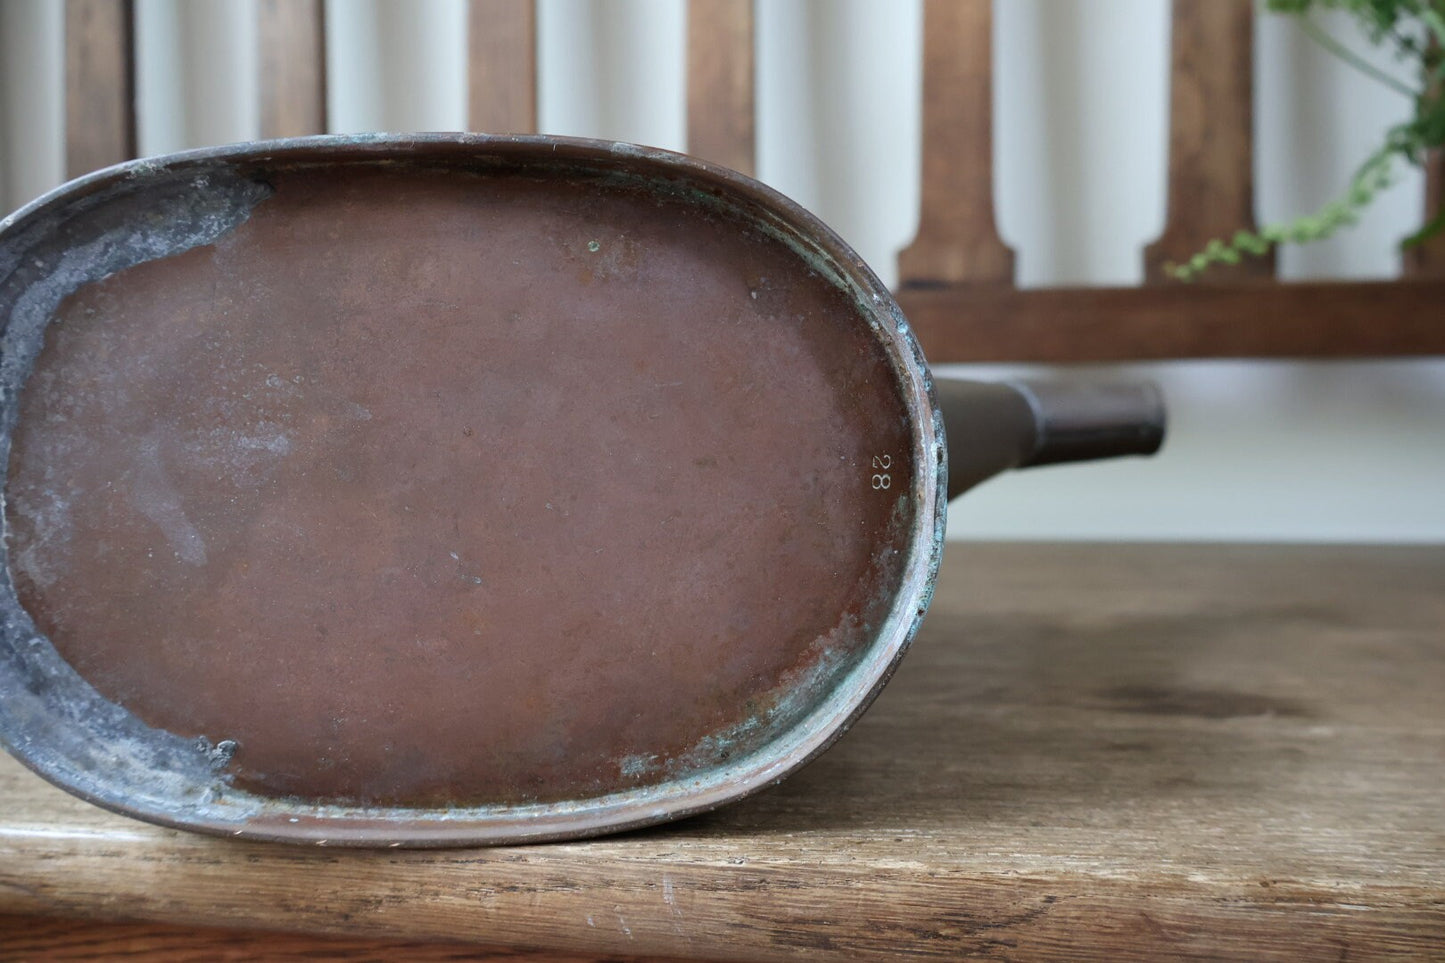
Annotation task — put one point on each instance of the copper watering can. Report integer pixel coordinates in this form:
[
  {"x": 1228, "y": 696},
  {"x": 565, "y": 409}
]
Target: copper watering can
[{"x": 464, "y": 489}]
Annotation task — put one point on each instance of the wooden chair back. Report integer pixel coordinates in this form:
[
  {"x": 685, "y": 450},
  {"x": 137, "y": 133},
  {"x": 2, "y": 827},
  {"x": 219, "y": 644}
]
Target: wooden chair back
[{"x": 957, "y": 280}]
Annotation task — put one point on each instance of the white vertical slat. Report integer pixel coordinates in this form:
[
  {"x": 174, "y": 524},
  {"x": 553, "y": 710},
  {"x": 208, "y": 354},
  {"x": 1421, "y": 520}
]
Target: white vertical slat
[
  {"x": 839, "y": 115},
  {"x": 396, "y": 65},
  {"x": 32, "y": 95},
  {"x": 1080, "y": 108},
  {"x": 613, "y": 69},
  {"x": 196, "y": 78}
]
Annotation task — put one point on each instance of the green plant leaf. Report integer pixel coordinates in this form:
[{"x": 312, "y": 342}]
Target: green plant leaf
[{"x": 1415, "y": 31}]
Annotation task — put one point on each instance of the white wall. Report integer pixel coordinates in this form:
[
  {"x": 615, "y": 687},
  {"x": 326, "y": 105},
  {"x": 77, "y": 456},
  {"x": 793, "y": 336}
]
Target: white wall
[{"x": 1293, "y": 451}]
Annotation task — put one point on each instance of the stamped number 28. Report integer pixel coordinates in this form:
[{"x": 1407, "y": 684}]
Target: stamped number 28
[{"x": 881, "y": 464}]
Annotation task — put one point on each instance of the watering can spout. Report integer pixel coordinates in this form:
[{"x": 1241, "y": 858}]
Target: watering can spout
[{"x": 995, "y": 426}]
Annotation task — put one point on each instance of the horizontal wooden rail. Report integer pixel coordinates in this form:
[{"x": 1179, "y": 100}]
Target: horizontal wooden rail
[{"x": 1331, "y": 319}]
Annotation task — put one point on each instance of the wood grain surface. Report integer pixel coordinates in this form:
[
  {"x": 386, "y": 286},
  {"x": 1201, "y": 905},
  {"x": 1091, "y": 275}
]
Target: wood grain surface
[
  {"x": 720, "y": 125},
  {"x": 1211, "y": 138},
  {"x": 1092, "y": 753},
  {"x": 56, "y": 940},
  {"x": 957, "y": 240}
]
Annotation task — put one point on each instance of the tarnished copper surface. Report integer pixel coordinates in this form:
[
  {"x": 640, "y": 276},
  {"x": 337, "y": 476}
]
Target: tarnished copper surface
[{"x": 435, "y": 488}]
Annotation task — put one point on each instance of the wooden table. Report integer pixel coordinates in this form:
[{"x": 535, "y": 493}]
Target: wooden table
[{"x": 1093, "y": 752}]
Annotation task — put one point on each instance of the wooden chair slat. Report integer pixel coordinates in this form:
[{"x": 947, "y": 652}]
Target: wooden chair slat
[
  {"x": 99, "y": 84},
  {"x": 1428, "y": 259},
  {"x": 292, "y": 35},
  {"x": 957, "y": 239},
  {"x": 502, "y": 66},
  {"x": 1211, "y": 138},
  {"x": 720, "y": 122}
]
